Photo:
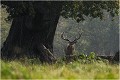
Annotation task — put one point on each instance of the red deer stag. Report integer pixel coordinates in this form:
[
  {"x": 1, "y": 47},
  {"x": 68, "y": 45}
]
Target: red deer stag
[{"x": 70, "y": 47}]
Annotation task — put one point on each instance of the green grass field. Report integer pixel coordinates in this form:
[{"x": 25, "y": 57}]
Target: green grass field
[{"x": 74, "y": 70}]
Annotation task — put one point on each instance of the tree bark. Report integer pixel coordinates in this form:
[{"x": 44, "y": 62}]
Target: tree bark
[{"x": 28, "y": 34}]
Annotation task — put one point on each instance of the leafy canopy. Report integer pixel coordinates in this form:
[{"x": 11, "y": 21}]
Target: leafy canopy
[{"x": 74, "y": 9}]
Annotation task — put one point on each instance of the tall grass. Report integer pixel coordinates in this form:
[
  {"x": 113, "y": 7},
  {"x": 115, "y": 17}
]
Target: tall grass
[{"x": 73, "y": 70}]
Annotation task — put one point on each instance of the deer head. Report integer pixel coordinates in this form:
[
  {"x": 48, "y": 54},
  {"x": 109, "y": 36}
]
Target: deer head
[{"x": 70, "y": 48}]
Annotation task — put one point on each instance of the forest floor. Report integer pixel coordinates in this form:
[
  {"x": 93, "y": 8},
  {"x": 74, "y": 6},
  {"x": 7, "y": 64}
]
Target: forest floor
[{"x": 74, "y": 70}]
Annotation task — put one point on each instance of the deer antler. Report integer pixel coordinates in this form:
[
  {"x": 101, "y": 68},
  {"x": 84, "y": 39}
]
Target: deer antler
[
  {"x": 64, "y": 37},
  {"x": 77, "y": 38}
]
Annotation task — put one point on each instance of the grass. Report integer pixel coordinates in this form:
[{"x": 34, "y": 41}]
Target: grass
[{"x": 74, "y": 70}]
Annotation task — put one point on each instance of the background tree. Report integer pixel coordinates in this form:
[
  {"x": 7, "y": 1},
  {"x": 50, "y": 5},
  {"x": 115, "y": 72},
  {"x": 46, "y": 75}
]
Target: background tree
[
  {"x": 99, "y": 36},
  {"x": 34, "y": 23}
]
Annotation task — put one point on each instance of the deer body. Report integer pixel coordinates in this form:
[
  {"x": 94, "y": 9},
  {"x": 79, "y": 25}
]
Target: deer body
[{"x": 69, "y": 50}]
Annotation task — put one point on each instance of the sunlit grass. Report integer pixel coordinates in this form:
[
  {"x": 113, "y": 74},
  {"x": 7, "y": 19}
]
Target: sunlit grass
[{"x": 74, "y": 70}]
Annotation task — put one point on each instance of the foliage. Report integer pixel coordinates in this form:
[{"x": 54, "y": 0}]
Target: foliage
[
  {"x": 74, "y": 9},
  {"x": 79, "y": 9},
  {"x": 83, "y": 56},
  {"x": 17, "y": 8},
  {"x": 92, "y": 55},
  {"x": 5, "y": 26}
]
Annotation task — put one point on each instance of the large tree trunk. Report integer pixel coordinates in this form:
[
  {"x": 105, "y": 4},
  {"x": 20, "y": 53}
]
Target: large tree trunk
[{"x": 28, "y": 34}]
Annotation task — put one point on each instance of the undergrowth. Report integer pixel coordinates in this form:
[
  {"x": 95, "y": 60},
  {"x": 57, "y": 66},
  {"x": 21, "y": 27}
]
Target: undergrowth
[{"x": 80, "y": 69}]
